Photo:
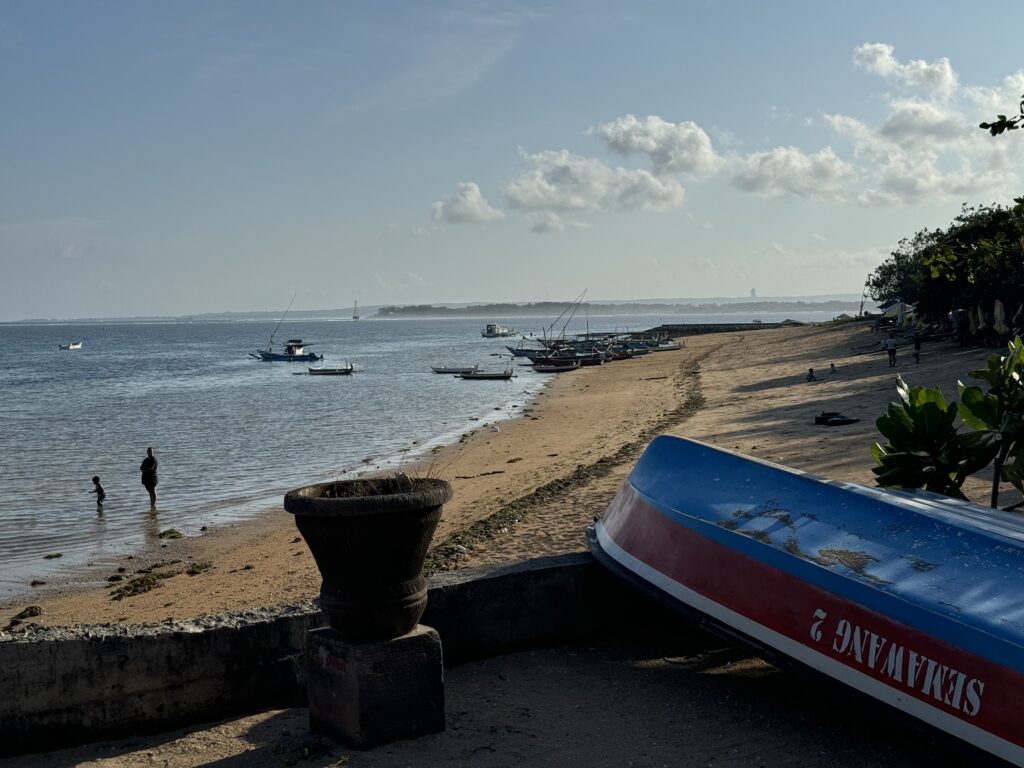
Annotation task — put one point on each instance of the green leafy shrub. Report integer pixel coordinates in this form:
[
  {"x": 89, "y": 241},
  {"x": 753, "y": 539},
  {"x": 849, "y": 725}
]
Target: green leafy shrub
[{"x": 925, "y": 446}]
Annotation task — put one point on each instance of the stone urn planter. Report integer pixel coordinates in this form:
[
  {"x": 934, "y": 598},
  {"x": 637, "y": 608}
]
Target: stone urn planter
[{"x": 369, "y": 539}]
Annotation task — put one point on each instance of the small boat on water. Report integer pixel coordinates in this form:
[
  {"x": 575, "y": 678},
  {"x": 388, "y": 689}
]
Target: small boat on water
[
  {"x": 454, "y": 369},
  {"x": 72, "y": 345},
  {"x": 556, "y": 367},
  {"x": 294, "y": 351},
  {"x": 495, "y": 331},
  {"x": 911, "y": 598},
  {"x": 331, "y": 370},
  {"x": 508, "y": 373}
]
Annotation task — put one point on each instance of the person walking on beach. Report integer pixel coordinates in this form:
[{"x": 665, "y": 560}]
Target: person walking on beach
[
  {"x": 100, "y": 493},
  {"x": 148, "y": 469},
  {"x": 890, "y": 347}
]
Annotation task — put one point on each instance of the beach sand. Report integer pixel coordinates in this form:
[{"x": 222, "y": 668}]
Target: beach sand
[{"x": 530, "y": 487}]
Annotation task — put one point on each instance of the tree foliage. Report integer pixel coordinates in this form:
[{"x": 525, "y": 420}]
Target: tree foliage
[
  {"x": 1002, "y": 123},
  {"x": 977, "y": 259},
  {"x": 926, "y": 448}
]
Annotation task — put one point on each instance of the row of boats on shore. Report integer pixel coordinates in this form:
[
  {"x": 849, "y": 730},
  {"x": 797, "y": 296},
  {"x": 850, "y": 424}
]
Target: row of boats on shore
[
  {"x": 545, "y": 356},
  {"x": 564, "y": 355}
]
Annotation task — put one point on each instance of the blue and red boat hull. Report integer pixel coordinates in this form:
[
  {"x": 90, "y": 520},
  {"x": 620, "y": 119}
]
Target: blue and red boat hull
[{"x": 895, "y": 596}]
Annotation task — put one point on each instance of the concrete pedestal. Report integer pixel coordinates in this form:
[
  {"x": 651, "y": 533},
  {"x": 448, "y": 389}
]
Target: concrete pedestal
[{"x": 369, "y": 693}]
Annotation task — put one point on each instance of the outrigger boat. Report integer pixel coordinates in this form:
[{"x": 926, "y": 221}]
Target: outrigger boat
[
  {"x": 913, "y": 599},
  {"x": 508, "y": 373},
  {"x": 329, "y": 370},
  {"x": 556, "y": 367}
]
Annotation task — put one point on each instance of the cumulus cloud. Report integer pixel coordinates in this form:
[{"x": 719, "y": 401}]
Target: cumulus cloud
[
  {"x": 789, "y": 171},
  {"x": 560, "y": 181},
  {"x": 925, "y": 149},
  {"x": 545, "y": 222},
  {"x": 672, "y": 147},
  {"x": 938, "y": 78},
  {"x": 467, "y": 205},
  {"x": 911, "y": 122}
]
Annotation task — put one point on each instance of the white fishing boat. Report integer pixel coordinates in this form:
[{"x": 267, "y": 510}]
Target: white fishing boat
[
  {"x": 72, "y": 345},
  {"x": 454, "y": 370},
  {"x": 495, "y": 331}
]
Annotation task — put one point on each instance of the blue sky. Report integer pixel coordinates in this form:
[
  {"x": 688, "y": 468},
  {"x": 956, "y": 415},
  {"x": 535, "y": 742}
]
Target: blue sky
[{"x": 177, "y": 158}]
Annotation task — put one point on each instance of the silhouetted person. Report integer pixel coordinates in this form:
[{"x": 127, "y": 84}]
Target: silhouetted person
[
  {"x": 810, "y": 375},
  {"x": 890, "y": 347},
  {"x": 832, "y": 368},
  {"x": 148, "y": 469},
  {"x": 917, "y": 349},
  {"x": 100, "y": 493}
]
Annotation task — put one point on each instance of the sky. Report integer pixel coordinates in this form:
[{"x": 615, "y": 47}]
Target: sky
[{"x": 204, "y": 156}]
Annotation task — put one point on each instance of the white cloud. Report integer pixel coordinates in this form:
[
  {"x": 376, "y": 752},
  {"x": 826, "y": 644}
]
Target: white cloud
[
  {"x": 937, "y": 78},
  {"x": 1004, "y": 100},
  {"x": 914, "y": 122},
  {"x": 467, "y": 205},
  {"x": 545, "y": 222},
  {"x": 672, "y": 147},
  {"x": 560, "y": 181},
  {"x": 789, "y": 171}
]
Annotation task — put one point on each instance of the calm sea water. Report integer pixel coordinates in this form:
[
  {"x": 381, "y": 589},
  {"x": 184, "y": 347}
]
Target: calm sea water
[{"x": 232, "y": 434}]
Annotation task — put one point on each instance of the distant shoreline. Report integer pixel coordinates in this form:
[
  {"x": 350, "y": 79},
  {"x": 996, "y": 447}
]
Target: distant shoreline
[{"x": 473, "y": 311}]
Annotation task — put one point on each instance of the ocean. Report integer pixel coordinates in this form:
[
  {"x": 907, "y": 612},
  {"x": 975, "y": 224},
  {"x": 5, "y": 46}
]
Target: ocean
[{"x": 232, "y": 434}]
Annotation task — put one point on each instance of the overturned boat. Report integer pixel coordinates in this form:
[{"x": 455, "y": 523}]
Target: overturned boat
[{"x": 914, "y": 599}]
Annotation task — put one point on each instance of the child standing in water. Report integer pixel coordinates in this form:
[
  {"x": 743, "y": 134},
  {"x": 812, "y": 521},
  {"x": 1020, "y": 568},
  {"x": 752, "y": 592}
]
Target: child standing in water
[{"x": 98, "y": 490}]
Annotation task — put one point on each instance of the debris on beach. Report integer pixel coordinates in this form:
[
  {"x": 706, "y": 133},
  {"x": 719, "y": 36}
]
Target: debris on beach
[{"x": 170, "y": 533}]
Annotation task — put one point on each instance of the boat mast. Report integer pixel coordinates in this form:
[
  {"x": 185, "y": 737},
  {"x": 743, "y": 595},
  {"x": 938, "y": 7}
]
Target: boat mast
[
  {"x": 555, "y": 321},
  {"x": 574, "y": 308},
  {"x": 271, "y": 347}
]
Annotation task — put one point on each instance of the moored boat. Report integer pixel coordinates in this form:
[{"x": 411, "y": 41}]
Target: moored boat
[
  {"x": 294, "y": 351},
  {"x": 912, "y": 599},
  {"x": 508, "y": 373},
  {"x": 495, "y": 331},
  {"x": 454, "y": 370},
  {"x": 72, "y": 345},
  {"x": 331, "y": 370},
  {"x": 556, "y": 367}
]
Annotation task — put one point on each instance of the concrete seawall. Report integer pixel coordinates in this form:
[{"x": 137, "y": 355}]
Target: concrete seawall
[{"x": 73, "y": 685}]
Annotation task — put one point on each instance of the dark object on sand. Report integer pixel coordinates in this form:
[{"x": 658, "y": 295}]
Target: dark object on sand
[
  {"x": 838, "y": 421},
  {"x": 369, "y": 539},
  {"x": 833, "y": 419}
]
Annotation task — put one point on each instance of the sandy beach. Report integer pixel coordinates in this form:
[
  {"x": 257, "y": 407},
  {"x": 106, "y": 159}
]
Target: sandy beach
[{"x": 531, "y": 487}]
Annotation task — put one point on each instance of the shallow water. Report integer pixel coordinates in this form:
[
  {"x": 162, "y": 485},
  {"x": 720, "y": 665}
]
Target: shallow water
[{"x": 232, "y": 434}]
